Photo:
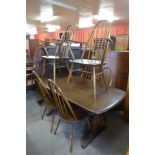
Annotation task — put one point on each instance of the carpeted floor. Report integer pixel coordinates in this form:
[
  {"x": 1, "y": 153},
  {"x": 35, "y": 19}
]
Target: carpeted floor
[{"x": 40, "y": 141}]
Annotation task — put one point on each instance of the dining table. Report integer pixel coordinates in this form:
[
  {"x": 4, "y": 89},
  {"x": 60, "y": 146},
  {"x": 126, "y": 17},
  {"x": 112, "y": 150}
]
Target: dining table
[{"x": 79, "y": 92}]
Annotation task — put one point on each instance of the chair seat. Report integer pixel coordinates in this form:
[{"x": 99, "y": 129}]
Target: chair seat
[{"x": 87, "y": 62}]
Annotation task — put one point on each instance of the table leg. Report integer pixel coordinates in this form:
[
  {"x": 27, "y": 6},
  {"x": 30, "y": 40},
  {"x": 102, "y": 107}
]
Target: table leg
[
  {"x": 94, "y": 82},
  {"x": 54, "y": 75},
  {"x": 97, "y": 126}
]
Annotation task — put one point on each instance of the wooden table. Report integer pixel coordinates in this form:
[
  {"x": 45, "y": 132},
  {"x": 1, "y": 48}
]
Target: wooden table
[{"x": 79, "y": 91}]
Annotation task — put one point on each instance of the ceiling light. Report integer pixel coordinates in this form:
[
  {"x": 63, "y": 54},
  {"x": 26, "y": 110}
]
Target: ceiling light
[
  {"x": 31, "y": 29},
  {"x": 85, "y": 22},
  {"x": 47, "y": 18},
  {"x": 105, "y": 15},
  {"x": 63, "y": 5},
  {"x": 52, "y": 28},
  {"x": 46, "y": 14}
]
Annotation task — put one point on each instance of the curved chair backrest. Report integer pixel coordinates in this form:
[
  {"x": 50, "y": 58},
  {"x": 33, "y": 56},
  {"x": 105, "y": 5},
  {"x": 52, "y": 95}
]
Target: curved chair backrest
[
  {"x": 43, "y": 90},
  {"x": 65, "y": 42},
  {"x": 68, "y": 33},
  {"x": 98, "y": 40},
  {"x": 64, "y": 107}
]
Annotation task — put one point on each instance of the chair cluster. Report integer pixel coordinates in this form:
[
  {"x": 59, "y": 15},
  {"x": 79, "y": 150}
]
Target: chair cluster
[{"x": 54, "y": 99}]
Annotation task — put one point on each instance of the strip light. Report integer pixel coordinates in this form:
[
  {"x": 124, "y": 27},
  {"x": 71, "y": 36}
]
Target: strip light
[
  {"x": 31, "y": 29},
  {"x": 105, "y": 15},
  {"x": 85, "y": 22},
  {"x": 52, "y": 28}
]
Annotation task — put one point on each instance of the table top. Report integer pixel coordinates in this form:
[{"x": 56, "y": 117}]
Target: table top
[
  {"x": 80, "y": 92},
  {"x": 87, "y": 62},
  {"x": 53, "y": 57}
]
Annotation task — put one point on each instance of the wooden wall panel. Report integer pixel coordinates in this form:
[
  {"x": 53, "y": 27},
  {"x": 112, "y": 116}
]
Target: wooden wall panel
[
  {"x": 33, "y": 44},
  {"x": 126, "y": 112},
  {"x": 119, "y": 64}
]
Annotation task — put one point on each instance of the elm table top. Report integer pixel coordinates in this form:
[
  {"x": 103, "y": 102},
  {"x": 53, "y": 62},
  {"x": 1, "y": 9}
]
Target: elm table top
[{"x": 79, "y": 91}]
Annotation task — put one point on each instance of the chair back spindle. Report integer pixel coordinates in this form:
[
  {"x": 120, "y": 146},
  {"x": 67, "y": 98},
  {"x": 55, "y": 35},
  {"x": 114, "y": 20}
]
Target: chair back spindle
[
  {"x": 64, "y": 107},
  {"x": 98, "y": 41},
  {"x": 43, "y": 90}
]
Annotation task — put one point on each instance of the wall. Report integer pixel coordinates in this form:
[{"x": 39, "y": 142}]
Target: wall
[{"x": 82, "y": 34}]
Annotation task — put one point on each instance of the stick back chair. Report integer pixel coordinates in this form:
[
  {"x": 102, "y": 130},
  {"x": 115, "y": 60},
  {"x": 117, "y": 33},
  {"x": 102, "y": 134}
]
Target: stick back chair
[
  {"x": 63, "y": 50},
  {"x": 64, "y": 44},
  {"x": 68, "y": 113},
  {"x": 94, "y": 53},
  {"x": 48, "y": 101}
]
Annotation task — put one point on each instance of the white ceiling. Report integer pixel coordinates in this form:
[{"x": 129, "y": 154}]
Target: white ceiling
[{"x": 69, "y": 11}]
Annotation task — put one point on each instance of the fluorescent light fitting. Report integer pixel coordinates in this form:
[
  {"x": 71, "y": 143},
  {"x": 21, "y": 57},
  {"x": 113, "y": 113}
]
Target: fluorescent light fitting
[
  {"x": 47, "y": 19},
  {"x": 31, "y": 29},
  {"x": 46, "y": 14},
  {"x": 63, "y": 5},
  {"x": 52, "y": 28},
  {"x": 105, "y": 15},
  {"x": 85, "y": 22}
]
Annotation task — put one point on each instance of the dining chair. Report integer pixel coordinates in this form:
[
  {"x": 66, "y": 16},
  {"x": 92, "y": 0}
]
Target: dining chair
[
  {"x": 48, "y": 102},
  {"x": 63, "y": 50},
  {"x": 92, "y": 61},
  {"x": 67, "y": 112},
  {"x": 64, "y": 44}
]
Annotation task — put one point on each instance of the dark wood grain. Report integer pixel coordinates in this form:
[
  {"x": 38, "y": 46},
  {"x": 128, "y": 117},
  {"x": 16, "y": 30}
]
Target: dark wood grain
[
  {"x": 33, "y": 44},
  {"x": 80, "y": 92},
  {"x": 119, "y": 64},
  {"x": 126, "y": 112}
]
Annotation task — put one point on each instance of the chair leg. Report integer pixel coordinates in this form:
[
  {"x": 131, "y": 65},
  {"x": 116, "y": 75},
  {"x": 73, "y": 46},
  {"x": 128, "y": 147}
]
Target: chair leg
[
  {"x": 53, "y": 117},
  {"x": 73, "y": 137},
  {"x": 104, "y": 82},
  {"x": 44, "y": 113},
  {"x": 70, "y": 73},
  {"x": 57, "y": 126}
]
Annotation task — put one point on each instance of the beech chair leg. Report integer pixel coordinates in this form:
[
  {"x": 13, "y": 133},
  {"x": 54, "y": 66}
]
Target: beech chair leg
[
  {"x": 104, "y": 82},
  {"x": 43, "y": 113},
  {"x": 73, "y": 137},
  {"x": 53, "y": 117},
  {"x": 70, "y": 73},
  {"x": 57, "y": 126}
]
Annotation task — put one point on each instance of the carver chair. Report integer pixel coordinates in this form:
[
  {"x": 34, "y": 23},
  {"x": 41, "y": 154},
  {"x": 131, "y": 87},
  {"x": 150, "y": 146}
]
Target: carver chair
[
  {"x": 63, "y": 50},
  {"x": 67, "y": 112},
  {"x": 64, "y": 44},
  {"x": 92, "y": 61},
  {"x": 48, "y": 102}
]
